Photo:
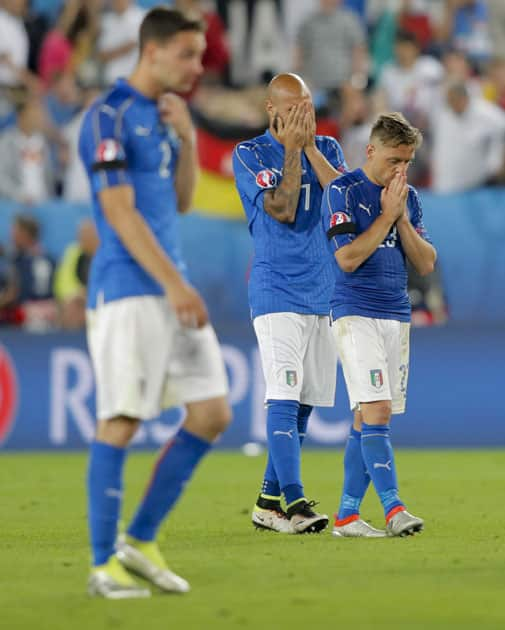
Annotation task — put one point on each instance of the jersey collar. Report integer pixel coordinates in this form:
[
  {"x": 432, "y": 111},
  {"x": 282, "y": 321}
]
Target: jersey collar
[{"x": 123, "y": 84}]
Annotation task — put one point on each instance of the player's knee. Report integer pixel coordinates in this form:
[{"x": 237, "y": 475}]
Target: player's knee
[
  {"x": 378, "y": 413},
  {"x": 220, "y": 419},
  {"x": 117, "y": 431}
]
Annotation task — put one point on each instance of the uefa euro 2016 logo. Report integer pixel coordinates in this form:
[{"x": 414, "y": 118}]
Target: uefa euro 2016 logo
[{"x": 8, "y": 394}]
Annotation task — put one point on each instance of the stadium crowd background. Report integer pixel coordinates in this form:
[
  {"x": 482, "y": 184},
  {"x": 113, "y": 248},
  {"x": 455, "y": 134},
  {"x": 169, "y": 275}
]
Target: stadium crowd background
[{"x": 440, "y": 62}]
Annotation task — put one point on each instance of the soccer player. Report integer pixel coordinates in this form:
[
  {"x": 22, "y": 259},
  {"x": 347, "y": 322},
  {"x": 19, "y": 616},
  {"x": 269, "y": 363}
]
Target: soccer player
[
  {"x": 373, "y": 220},
  {"x": 280, "y": 177},
  {"x": 148, "y": 331}
]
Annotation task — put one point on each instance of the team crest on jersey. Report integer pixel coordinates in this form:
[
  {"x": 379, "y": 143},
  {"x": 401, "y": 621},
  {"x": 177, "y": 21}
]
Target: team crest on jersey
[
  {"x": 291, "y": 378},
  {"x": 338, "y": 218},
  {"x": 109, "y": 150},
  {"x": 376, "y": 378},
  {"x": 266, "y": 178}
]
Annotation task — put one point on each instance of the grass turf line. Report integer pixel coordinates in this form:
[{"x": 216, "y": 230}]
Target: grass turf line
[{"x": 451, "y": 576}]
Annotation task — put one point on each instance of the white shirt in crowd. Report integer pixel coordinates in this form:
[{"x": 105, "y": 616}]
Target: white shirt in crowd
[
  {"x": 469, "y": 148},
  {"x": 33, "y": 154},
  {"x": 415, "y": 88},
  {"x": 13, "y": 43},
  {"x": 75, "y": 180},
  {"x": 118, "y": 29}
]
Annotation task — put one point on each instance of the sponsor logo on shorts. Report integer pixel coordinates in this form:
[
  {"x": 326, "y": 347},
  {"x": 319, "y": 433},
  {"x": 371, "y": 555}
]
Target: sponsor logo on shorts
[
  {"x": 376, "y": 378},
  {"x": 291, "y": 378}
]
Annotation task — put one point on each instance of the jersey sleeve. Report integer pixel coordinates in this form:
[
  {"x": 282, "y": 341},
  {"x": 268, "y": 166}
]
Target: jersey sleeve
[
  {"x": 338, "y": 216},
  {"x": 252, "y": 178},
  {"x": 416, "y": 214},
  {"x": 102, "y": 148},
  {"x": 335, "y": 156}
]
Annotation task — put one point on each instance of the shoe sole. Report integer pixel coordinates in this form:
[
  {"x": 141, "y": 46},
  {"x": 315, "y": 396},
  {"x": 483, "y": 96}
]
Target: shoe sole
[
  {"x": 314, "y": 527},
  {"x": 409, "y": 531},
  {"x": 137, "y": 566},
  {"x": 142, "y": 594}
]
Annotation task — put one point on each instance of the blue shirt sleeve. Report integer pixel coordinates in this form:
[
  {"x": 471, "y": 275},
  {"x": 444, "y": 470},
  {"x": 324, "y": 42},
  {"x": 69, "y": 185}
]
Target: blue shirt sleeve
[
  {"x": 416, "y": 214},
  {"x": 333, "y": 153},
  {"x": 339, "y": 222},
  {"x": 252, "y": 178},
  {"x": 102, "y": 147}
]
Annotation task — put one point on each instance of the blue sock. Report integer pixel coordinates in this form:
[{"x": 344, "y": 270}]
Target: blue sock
[
  {"x": 356, "y": 477},
  {"x": 174, "y": 467},
  {"x": 380, "y": 462},
  {"x": 284, "y": 446},
  {"x": 271, "y": 487},
  {"x": 105, "y": 490}
]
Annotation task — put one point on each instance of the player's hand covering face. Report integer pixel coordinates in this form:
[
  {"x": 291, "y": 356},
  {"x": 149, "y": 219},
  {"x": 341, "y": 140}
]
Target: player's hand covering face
[
  {"x": 394, "y": 196},
  {"x": 292, "y": 130},
  {"x": 174, "y": 111},
  {"x": 310, "y": 127},
  {"x": 386, "y": 162}
]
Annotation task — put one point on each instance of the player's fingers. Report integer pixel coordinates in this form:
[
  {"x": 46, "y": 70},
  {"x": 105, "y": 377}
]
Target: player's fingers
[{"x": 291, "y": 118}]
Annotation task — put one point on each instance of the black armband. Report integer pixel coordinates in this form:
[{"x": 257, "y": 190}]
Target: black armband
[{"x": 341, "y": 228}]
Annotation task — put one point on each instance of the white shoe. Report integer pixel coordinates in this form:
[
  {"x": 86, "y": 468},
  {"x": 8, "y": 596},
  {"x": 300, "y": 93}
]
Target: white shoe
[
  {"x": 145, "y": 559},
  {"x": 304, "y": 520},
  {"x": 404, "y": 524},
  {"x": 275, "y": 520},
  {"x": 358, "y": 529},
  {"x": 111, "y": 581}
]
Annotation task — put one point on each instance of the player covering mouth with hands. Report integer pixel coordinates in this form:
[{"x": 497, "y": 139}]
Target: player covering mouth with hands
[{"x": 280, "y": 177}]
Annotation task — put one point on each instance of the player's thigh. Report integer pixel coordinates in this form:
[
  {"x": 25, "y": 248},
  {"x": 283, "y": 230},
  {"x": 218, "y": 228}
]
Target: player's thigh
[
  {"x": 282, "y": 341},
  {"x": 129, "y": 342},
  {"x": 397, "y": 343},
  {"x": 320, "y": 365},
  {"x": 195, "y": 369},
  {"x": 362, "y": 352}
]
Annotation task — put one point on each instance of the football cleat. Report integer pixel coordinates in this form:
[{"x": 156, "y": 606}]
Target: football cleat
[
  {"x": 358, "y": 529},
  {"x": 304, "y": 520},
  {"x": 268, "y": 514},
  {"x": 145, "y": 559},
  {"x": 111, "y": 581},
  {"x": 404, "y": 524}
]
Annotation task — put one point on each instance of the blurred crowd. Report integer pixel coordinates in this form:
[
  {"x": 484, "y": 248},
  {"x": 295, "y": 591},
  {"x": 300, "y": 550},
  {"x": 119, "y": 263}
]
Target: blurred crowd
[{"x": 440, "y": 62}]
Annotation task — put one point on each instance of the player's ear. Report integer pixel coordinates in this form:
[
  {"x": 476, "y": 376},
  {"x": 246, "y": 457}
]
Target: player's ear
[{"x": 370, "y": 151}]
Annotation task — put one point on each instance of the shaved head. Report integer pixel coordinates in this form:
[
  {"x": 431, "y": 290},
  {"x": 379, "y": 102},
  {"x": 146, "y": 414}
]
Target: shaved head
[
  {"x": 285, "y": 91},
  {"x": 287, "y": 86}
]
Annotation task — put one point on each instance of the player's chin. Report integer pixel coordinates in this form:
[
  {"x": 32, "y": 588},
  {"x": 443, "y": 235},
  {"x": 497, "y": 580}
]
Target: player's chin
[{"x": 185, "y": 86}]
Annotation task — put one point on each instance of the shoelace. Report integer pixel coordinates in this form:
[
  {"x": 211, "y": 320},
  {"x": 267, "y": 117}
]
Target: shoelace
[{"x": 307, "y": 508}]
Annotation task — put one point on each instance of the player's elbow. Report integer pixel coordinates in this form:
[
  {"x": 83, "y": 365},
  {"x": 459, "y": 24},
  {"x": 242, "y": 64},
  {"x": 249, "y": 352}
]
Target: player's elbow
[
  {"x": 345, "y": 262},
  {"x": 286, "y": 217},
  {"x": 426, "y": 268}
]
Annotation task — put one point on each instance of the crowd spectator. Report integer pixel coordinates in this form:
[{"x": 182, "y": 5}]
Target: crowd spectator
[
  {"x": 118, "y": 39},
  {"x": 30, "y": 290},
  {"x": 331, "y": 48},
  {"x": 497, "y": 27},
  {"x": 465, "y": 25},
  {"x": 71, "y": 277},
  {"x": 71, "y": 43},
  {"x": 25, "y": 165},
  {"x": 14, "y": 42},
  {"x": 468, "y": 142}
]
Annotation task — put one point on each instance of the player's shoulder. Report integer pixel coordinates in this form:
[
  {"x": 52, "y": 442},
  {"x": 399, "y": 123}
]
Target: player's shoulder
[
  {"x": 252, "y": 151},
  {"x": 347, "y": 180},
  {"x": 115, "y": 101},
  {"x": 328, "y": 141}
]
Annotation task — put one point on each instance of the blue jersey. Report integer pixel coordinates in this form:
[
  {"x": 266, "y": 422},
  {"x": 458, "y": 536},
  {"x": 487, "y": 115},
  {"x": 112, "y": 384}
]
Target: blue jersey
[
  {"x": 290, "y": 271},
  {"x": 123, "y": 141},
  {"x": 378, "y": 287}
]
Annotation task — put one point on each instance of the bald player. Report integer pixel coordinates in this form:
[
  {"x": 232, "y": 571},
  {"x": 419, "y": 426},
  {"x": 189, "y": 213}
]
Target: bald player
[{"x": 280, "y": 177}]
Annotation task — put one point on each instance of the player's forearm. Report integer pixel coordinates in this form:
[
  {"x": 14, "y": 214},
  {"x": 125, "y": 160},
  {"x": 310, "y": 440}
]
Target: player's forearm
[
  {"x": 420, "y": 253},
  {"x": 186, "y": 174},
  {"x": 282, "y": 202},
  {"x": 325, "y": 172},
  {"x": 351, "y": 256},
  {"x": 138, "y": 238}
]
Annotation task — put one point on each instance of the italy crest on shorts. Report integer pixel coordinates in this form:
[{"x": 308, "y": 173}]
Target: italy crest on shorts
[
  {"x": 291, "y": 378},
  {"x": 376, "y": 378}
]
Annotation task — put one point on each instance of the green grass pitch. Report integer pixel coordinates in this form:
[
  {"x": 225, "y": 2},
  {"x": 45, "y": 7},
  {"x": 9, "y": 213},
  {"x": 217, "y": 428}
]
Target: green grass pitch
[{"x": 451, "y": 576}]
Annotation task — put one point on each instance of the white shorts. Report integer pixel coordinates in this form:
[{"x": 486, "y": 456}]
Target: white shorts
[
  {"x": 375, "y": 358},
  {"x": 145, "y": 361},
  {"x": 298, "y": 356}
]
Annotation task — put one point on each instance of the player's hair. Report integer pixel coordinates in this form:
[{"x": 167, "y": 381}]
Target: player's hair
[
  {"x": 160, "y": 24},
  {"x": 29, "y": 224},
  {"x": 394, "y": 129}
]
